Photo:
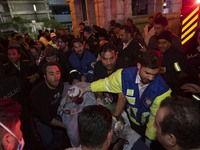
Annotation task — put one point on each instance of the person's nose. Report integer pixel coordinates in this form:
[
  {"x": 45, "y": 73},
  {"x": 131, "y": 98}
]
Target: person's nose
[
  {"x": 150, "y": 77},
  {"x": 108, "y": 62}
]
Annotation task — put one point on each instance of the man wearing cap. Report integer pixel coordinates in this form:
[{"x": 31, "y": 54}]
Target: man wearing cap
[
  {"x": 160, "y": 25},
  {"x": 91, "y": 43},
  {"x": 54, "y": 40},
  {"x": 173, "y": 60}
]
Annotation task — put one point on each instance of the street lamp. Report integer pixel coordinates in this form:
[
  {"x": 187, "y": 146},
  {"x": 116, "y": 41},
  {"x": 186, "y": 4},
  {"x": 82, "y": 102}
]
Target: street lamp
[{"x": 35, "y": 10}]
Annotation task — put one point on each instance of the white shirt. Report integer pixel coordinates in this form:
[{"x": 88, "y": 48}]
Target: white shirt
[
  {"x": 126, "y": 44},
  {"x": 141, "y": 88}
]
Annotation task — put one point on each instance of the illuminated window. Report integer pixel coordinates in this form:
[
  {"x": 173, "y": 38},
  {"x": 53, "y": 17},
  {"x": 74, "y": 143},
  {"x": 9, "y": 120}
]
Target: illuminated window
[{"x": 139, "y": 7}]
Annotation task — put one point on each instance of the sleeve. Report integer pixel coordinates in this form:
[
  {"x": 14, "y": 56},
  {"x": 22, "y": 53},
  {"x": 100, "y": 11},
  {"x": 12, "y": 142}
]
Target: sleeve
[
  {"x": 152, "y": 44},
  {"x": 111, "y": 84},
  {"x": 90, "y": 68},
  {"x": 151, "y": 130},
  {"x": 177, "y": 44}
]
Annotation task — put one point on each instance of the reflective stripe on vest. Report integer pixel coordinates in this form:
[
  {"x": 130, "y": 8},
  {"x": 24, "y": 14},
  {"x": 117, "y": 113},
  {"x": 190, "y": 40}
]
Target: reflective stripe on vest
[
  {"x": 196, "y": 97},
  {"x": 177, "y": 67}
]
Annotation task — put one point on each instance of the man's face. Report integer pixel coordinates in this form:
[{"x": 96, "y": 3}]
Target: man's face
[
  {"x": 151, "y": 21},
  {"x": 61, "y": 32},
  {"x": 147, "y": 75},
  {"x": 163, "y": 45},
  {"x": 128, "y": 23},
  {"x": 61, "y": 44},
  {"x": 163, "y": 139},
  {"x": 86, "y": 34},
  {"x": 13, "y": 55},
  {"x": 52, "y": 76},
  {"x": 116, "y": 30},
  {"x": 34, "y": 52},
  {"x": 79, "y": 48},
  {"x": 67, "y": 32},
  {"x": 108, "y": 59},
  {"x": 125, "y": 37},
  {"x": 39, "y": 45},
  {"x": 81, "y": 27},
  {"x": 158, "y": 29}
]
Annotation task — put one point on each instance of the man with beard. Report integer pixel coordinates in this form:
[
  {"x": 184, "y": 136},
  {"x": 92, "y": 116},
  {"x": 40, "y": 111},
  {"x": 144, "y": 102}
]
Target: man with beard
[
  {"x": 82, "y": 61},
  {"x": 143, "y": 89},
  {"x": 105, "y": 67},
  {"x": 129, "y": 49},
  {"x": 160, "y": 25},
  {"x": 45, "y": 102}
]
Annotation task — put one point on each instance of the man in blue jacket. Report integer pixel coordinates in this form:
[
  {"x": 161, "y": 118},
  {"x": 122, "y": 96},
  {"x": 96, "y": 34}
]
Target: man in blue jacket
[{"x": 82, "y": 61}]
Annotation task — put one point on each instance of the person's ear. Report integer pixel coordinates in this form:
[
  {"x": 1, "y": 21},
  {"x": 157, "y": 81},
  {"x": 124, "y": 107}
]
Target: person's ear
[
  {"x": 109, "y": 137},
  {"x": 116, "y": 54},
  {"x": 171, "y": 139},
  {"x": 8, "y": 141},
  {"x": 45, "y": 77},
  {"x": 138, "y": 66}
]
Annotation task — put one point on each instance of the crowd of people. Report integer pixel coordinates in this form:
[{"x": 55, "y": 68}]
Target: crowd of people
[{"x": 145, "y": 74}]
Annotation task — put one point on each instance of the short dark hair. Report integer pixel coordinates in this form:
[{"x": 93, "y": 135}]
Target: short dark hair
[
  {"x": 10, "y": 111},
  {"x": 87, "y": 29},
  {"x": 126, "y": 28},
  {"x": 130, "y": 20},
  {"x": 67, "y": 29},
  {"x": 34, "y": 47},
  {"x": 162, "y": 21},
  {"x": 19, "y": 37},
  {"x": 52, "y": 63},
  {"x": 167, "y": 35},
  {"x": 151, "y": 59},
  {"x": 118, "y": 25},
  {"x": 107, "y": 47},
  {"x": 82, "y": 23},
  {"x": 182, "y": 120},
  {"x": 18, "y": 48},
  {"x": 77, "y": 40},
  {"x": 151, "y": 17},
  {"x": 49, "y": 51},
  {"x": 94, "y": 124}
]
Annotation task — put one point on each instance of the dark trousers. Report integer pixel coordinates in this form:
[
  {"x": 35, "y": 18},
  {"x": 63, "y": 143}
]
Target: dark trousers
[{"x": 51, "y": 136}]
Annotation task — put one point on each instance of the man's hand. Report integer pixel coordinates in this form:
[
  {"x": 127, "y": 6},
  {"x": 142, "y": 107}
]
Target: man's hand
[
  {"x": 192, "y": 88},
  {"x": 57, "y": 123},
  {"x": 33, "y": 78}
]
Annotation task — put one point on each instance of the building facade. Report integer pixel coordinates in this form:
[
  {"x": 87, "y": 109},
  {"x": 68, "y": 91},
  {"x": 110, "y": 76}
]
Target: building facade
[
  {"x": 27, "y": 9},
  {"x": 101, "y": 12}
]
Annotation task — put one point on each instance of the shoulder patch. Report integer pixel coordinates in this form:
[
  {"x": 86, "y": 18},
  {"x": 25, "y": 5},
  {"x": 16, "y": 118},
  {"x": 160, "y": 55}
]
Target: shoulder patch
[{"x": 147, "y": 102}]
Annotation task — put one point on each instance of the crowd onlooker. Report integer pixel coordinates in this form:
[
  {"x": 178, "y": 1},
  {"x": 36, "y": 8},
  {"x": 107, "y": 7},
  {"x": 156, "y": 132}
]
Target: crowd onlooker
[{"x": 119, "y": 60}]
